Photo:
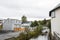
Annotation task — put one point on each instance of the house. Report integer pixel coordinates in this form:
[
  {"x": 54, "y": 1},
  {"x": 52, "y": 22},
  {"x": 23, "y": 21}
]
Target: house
[
  {"x": 26, "y": 24},
  {"x": 12, "y": 24},
  {"x": 15, "y": 25},
  {"x": 55, "y": 22}
]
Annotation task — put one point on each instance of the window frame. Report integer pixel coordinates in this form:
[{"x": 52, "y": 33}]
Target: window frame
[{"x": 53, "y": 15}]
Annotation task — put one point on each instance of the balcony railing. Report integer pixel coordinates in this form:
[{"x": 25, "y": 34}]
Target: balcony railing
[{"x": 56, "y": 36}]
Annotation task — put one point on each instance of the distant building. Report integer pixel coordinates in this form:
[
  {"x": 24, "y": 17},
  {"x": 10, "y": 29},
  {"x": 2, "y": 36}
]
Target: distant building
[
  {"x": 1, "y": 22},
  {"x": 15, "y": 25},
  {"x": 11, "y": 24},
  {"x": 26, "y": 24},
  {"x": 55, "y": 22}
]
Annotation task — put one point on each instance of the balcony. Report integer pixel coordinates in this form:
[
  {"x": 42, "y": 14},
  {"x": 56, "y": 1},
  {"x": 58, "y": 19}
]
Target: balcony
[{"x": 56, "y": 36}]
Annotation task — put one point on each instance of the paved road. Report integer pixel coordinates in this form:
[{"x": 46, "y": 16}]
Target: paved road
[{"x": 9, "y": 35}]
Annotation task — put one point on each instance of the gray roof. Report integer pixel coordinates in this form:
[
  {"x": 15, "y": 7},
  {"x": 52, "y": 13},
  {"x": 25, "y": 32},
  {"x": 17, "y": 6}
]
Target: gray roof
[{"x": 57, "y": 7}]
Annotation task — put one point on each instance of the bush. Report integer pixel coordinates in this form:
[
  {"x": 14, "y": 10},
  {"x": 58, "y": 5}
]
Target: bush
[
  {"x": 1, "y": 26},
  {"x": 29, "y": 34},
  {"x": 33, "y": 34},
  {"x": 22, "y": 36}
]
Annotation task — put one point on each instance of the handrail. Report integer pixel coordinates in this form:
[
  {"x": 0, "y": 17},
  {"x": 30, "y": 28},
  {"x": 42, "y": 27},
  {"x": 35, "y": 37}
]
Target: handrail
[{"x": 57, "y": 35}]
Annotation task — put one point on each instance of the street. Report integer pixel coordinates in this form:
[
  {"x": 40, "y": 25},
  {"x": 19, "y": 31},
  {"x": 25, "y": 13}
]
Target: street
[{"x": 9, "y": 35}]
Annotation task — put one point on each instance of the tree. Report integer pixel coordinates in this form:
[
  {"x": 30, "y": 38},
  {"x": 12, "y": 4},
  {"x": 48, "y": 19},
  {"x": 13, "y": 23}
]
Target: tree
[
  {"x": 40, "y": 22},
  {"x": 49, "y": 24},
  {"x": 24, "y": 19},
  {"x": 44, "y": 22},
  {"x": 33, "y": 24},
  {"x": 1, "y": 26}
]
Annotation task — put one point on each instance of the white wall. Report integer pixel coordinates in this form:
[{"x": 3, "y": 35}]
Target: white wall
[
  {"x": 9, "y": 24},
  {"x": 55, "y": 22}
]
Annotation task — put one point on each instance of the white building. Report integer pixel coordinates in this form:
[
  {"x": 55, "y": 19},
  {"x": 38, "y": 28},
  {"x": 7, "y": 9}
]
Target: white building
[
  {"x": 26, "y": 24},
  {"x": 11, "y": 24},
  {"x": 1, "y": 22},
  {"x": 55, "y": 21}
]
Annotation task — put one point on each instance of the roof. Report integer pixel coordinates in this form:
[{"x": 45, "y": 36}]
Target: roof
[
  {"x": 27, "y": 22},
  {"x": 57, "y": 7}
]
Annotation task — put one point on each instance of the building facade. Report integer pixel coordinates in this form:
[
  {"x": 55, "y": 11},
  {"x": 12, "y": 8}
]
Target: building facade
[
  {"x": 55, "y": 22},
  {"x": 15, "y": 25},
  {"x": 26, "y": 24},
  {"x": 11, "y": 24}
]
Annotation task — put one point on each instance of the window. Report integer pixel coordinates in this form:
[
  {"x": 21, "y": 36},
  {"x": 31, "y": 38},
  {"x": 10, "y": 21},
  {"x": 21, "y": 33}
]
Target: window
[
  {"x": 53, "y": 14},
  {"x": 16, "y": 21}
]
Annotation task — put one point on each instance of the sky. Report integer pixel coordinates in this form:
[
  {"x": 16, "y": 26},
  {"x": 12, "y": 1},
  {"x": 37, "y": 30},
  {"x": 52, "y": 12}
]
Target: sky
[{"x": 30, "y": 8}]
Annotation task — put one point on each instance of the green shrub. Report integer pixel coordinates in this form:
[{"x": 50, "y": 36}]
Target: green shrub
[
  {"x": 1, "y": 27},
  {"x": 29, "y": 34}
]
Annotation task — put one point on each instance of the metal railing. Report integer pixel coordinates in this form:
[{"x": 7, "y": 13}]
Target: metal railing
[{"x": 56, "y": 36}]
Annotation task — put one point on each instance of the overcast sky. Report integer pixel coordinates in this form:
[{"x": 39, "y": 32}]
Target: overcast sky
[{"x": 30, "y": 8}]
